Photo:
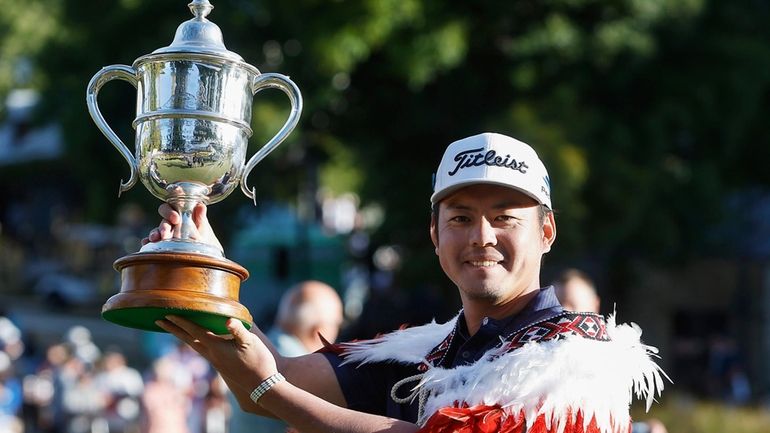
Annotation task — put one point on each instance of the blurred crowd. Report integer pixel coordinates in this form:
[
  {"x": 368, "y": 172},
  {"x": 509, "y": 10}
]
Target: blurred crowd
[{"x": 74, "y": 386}]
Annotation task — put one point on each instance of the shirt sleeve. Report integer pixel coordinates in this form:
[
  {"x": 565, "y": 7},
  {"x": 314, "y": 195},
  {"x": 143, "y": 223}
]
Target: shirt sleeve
[{"x": 364, "y": 386}]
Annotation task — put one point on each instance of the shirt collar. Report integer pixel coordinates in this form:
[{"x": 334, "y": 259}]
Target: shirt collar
[
  {"x": 544, "y": 305},
  {"x": 544, "y": 300}
]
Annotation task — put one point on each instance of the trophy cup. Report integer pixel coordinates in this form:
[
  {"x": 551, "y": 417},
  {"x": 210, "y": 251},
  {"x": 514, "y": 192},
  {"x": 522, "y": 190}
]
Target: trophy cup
[{"x": 193, "y": 115}]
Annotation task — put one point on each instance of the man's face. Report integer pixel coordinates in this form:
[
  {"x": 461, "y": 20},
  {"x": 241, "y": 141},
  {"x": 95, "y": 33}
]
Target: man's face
[{"x": 490, "y": 240}]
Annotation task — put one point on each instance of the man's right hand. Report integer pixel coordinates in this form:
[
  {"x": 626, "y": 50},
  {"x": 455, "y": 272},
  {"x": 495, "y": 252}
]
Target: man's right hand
[
  {"x": 244, "y": 362},
  {"x": 169, "y": 226},
  {"x": 240, "y": 356}
]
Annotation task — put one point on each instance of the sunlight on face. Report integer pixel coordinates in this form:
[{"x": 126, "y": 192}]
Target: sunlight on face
[{"x": 490, "y": 240}]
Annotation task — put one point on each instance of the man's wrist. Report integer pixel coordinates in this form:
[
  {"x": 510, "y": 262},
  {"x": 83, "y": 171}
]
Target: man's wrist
[{"x": 265, "y": 386}]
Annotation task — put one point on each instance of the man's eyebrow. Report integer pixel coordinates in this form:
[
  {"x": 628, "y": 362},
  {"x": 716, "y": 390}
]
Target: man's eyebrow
[
  {"x": 457, "y": 206},
  {"x": 506, "y": 205}
]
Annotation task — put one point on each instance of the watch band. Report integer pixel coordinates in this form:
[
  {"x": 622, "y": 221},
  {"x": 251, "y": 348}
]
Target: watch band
[{"x": 265, "y": 386}]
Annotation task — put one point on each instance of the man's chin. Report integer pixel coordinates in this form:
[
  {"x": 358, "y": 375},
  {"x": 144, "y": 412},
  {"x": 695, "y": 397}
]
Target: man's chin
[{"x": 487, "y": 294}]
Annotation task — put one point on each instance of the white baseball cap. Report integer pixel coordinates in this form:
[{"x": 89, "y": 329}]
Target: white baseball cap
[{"x": 493, "y": 159}]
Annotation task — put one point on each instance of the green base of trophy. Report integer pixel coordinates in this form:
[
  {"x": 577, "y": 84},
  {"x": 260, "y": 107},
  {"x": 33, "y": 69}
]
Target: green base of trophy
[
  {"x": 144, "y": 318},
  {"x": 199, "y": 288}
]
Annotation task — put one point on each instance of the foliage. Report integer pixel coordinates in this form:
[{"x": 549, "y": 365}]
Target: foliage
[
  {"x": 24, "y": 31},
  {"x": 638, "y": 107}
]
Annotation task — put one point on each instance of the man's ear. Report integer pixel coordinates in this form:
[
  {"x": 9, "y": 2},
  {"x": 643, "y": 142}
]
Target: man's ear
[
  {"x": 434, "y": 231},
  {"x": 549, "y": 231}
]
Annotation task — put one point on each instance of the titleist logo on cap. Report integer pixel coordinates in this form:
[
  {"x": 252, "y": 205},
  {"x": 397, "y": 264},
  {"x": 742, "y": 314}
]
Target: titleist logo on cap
[
  {"x": 492, "y": 159},
  {"x": 475, "y": 158}
]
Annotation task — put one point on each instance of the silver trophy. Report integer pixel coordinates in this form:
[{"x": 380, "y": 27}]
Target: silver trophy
[{"x": 193, "y": 115}]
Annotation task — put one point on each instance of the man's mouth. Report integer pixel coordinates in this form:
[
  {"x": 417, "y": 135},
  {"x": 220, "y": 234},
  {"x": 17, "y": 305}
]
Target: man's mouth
[{"x": 483, "y": 263}]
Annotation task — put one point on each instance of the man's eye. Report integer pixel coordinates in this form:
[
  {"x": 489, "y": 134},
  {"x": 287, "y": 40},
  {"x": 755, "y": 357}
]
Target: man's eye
[
  {"x": 506, "y": 218},
  {"x": 459, "y": 219}
]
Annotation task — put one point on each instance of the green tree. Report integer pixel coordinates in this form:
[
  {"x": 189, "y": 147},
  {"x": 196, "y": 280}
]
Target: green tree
[{"x": 640, "y": 108}]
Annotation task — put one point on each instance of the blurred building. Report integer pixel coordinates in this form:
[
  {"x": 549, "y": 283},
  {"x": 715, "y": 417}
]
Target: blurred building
[
  {"x": 708, "y": 315},
  {"x": 279, "y": 249},
  {"x": 21, "y": 140}
]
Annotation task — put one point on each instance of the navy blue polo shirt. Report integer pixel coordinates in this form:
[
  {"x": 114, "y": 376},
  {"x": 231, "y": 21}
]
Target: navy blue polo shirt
[{"x": 367, "y": 387}]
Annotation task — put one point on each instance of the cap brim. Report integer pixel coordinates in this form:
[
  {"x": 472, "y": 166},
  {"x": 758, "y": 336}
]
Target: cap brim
[{"x": 440, "y": 195}]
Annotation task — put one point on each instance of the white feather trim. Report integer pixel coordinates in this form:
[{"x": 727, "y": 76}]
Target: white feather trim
[
  {"x": 407, "y": 346},
  {"x": 554, "y": 378}
]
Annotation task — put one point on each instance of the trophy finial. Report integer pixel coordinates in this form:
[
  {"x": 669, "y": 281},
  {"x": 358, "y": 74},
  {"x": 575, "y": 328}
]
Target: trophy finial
[
  {"x": 200, "y": 8},
  {"x": 198, "y": 35}
]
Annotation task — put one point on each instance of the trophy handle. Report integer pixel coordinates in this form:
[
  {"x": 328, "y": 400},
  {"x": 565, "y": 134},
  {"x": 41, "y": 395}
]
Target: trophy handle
[
  {"x": 282, "y": 82},
  {"x": 108, "y": 73}
]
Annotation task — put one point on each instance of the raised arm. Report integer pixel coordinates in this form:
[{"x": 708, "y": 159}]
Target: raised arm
[
  {"x": 310, "y": 399},
  {"x": 312, "y": 373}
]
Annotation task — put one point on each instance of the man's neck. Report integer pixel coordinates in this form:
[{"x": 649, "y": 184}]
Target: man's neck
[{"x": 475, "y": 310}]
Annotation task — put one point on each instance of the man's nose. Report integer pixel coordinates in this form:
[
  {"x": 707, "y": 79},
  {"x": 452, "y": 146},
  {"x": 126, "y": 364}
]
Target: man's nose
[{"x": 483, "y": 234}]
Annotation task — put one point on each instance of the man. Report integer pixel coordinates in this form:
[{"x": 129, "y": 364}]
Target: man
[
  {"x": 576, "y": 291},
  {"x": 307, "y": 312},
  {"x": 511, "y": 360}
]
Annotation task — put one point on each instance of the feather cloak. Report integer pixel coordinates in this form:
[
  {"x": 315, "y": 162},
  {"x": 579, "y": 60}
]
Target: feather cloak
[{"x": 564, "y": 383}]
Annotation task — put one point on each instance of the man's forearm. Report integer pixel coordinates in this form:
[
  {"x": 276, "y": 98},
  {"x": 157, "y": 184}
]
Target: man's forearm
[
  {"x": 311, "y": 372},
  {"x": 309, "y": 414}
]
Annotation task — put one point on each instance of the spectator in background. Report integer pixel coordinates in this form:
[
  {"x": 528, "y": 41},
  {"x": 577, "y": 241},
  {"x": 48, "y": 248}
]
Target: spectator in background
[
  {"x": 193, "y": 374},
  {"x": 10, "y": 397},
  {"x": 78, "y": 400},
  {"x": 727, "y": 378},
  {"x": 11, "y": 349},
  {"x": 65, "y": 378},
  {"x": 306, "y": 311},
  {"x": 84, "y": 403},
  {"x": 166, "y": 405},
  {"x": 217, "y": 406},
  {"x": 10, "y": 338},
  {"x": 43, "y": 391},
  {"x": 78, "y": 338},
  {"x": 122, "y": 387},
  {"x": 577, "y": 292}
]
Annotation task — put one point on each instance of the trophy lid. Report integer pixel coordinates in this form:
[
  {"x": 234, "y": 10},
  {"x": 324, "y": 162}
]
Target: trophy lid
[{"x": 199, "y": 35}]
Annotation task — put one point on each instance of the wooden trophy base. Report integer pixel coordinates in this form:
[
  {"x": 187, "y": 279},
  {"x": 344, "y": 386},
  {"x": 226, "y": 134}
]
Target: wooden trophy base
[{"x": 200, "y": 288}]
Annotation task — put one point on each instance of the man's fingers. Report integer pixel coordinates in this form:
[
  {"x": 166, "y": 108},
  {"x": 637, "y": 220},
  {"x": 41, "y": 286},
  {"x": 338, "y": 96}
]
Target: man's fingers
[
  {"x": 240, "y": 334},
  {"x": 168, "y": 213},
  {"x": 153, "y": 236},
  {"x": 164, "y": 231},
  {"x": 195, "y": 331},
  {"x": 175, "y": 330},
  {"x": 199, "y": 214}
]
